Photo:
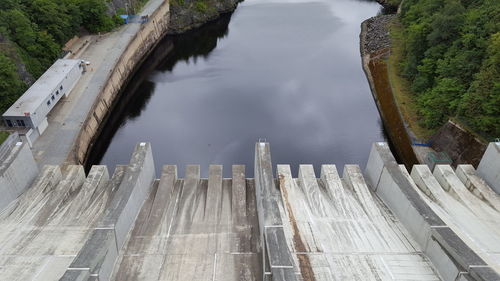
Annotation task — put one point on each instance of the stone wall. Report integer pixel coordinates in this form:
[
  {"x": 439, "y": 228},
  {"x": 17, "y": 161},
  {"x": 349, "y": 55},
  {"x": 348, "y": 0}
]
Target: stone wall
[
  {"x": 462, "y": 146},
  {"x": 139, "y": 47}
]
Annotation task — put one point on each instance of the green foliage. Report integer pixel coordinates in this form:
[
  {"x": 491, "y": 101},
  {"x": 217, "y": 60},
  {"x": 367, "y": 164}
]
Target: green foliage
[
  {"x": 177, "y": 2},
  {"x": 201, "y": 6},
  {"x": 94, "y": 18},
  {"x": 3, "y": 136},
  {"x": 452, "y": 59},
  {"x": 38, "y": 29},
  {"x": 10, "y": 84}
]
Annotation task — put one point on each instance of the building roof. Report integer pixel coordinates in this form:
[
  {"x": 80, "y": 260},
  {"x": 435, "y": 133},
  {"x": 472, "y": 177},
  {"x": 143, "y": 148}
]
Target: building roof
[{"x": 42, "y": 88}]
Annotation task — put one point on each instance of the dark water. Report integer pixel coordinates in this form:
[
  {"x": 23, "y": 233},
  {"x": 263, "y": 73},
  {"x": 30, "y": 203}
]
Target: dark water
[{"x": 288, "y": 72}]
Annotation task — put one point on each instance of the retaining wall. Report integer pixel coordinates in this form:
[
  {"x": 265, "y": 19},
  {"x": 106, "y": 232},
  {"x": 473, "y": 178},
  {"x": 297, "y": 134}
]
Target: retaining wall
[
  {"x": 17, "y": 170},
  {"x": 138, "y": 48}
]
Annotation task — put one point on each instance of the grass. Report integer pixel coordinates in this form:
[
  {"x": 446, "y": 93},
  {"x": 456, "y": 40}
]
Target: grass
[
  {"x": 401, "y": 87},
  {"x": 3, "y": 136}
]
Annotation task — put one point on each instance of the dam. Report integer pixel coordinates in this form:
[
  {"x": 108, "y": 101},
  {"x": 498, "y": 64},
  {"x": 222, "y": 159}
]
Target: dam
[
  {"x": 264, "y": 220},
  {"x": 383, "y": 223}
]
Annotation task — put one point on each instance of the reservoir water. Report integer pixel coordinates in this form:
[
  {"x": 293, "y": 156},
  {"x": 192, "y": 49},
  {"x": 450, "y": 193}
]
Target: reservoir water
[{"x": 287, "y": 71}]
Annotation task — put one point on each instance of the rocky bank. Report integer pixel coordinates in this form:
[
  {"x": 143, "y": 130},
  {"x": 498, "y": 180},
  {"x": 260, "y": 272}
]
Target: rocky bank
[
  {"x": 375, "y": 34},
  {"x": 189, "y": 14}
]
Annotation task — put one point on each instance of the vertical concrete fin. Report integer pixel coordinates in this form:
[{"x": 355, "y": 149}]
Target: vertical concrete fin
[
  {"x": 239, "y": 195},
  {"x": 380, "y": 155},
  {"x": 450, "y": 182},
  {"x": 489, "y": 167},
  {"x": 100, "y": 251},
  {"x": 214, "y": 194},
  {"x": 277, "y": 256}
]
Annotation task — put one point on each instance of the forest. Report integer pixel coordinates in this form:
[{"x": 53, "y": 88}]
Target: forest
[
  {"x": 452, "y": 60},
  {"x": 32, "y": 33}
]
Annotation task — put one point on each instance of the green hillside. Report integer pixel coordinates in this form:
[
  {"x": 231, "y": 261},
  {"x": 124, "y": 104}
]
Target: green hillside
[
  {"x": 32, "y": 33},
  {"x": 451, "y": 57}
]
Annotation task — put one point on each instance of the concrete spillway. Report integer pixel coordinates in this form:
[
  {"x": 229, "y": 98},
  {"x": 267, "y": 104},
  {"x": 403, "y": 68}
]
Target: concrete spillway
[
  {"x": 383, "y": 224},
  {"x": 194, "y": 229}
]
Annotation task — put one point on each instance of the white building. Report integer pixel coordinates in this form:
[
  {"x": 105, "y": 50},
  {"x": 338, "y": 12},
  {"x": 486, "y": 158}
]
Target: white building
[{"x": 31, "y": 109}]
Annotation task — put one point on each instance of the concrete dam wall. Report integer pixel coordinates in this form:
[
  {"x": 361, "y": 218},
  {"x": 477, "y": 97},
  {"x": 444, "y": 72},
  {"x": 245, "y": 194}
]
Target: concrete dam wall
[
  {"x": 381, "y": 224},
  {"x": 138, "y": 48}
]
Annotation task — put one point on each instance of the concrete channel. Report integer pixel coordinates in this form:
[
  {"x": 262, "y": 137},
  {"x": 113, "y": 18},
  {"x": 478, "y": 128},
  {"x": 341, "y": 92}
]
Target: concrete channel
[{"x": 381, "y": 224}]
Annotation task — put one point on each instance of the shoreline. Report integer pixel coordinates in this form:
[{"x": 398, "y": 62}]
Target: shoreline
[
  {"x": 130, "y": 61},
  {"x": 375, "y": 49}
]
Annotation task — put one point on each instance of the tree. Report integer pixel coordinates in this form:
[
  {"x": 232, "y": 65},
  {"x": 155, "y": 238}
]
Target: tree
[{"x": 11, "y": 86}]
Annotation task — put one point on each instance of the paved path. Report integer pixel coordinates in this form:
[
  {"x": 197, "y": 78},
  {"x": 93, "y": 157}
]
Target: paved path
[{"x": 67, "y": 117}]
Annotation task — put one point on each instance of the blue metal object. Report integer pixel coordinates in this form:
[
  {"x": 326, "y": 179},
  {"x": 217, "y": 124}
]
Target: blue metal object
[{"x": 125, "y": 18}]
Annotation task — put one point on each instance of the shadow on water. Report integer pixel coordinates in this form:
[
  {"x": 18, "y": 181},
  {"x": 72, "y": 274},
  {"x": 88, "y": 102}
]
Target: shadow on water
[{"x": 138, "y": 92}]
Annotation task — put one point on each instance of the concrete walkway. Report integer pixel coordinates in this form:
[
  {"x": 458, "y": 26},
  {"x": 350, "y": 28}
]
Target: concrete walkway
[{"x": 66, "y": 119}]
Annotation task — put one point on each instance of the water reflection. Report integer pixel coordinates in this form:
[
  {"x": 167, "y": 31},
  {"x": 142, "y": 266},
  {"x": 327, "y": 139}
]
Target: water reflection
[{"x": 286, "y": 71}]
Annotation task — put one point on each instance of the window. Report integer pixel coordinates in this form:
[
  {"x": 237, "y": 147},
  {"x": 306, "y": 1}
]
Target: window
[
  {"x": 9, "y": 123},
  {"x": 60, "y": 88},
  {"x": 20, "y": 123},
  {"x": 57, "y": 93},
  {"x": 48, "y": 103},
  {"x": 52, "y": 97}
]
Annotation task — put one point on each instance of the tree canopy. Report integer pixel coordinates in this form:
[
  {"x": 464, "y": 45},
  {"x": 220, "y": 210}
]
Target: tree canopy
[
  {"x": 452, "y": 59},
  {"x": 38, "y": 29}
]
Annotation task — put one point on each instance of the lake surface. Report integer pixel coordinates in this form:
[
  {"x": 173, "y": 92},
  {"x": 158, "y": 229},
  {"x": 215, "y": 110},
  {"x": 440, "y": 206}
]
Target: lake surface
[{"x": 288, "y": 72}]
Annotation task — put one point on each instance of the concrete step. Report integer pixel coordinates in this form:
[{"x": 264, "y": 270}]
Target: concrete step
[
  {"x": 20, "y": 209},
  {"x": 339, "y": 230},
  {"x": 475, "y": 184},
  {"x": 479, "y": 232},
  {"x": 454, "y": 186},
  {"x": 87, "y": 205},
  {"x": 43, "y": 246}
]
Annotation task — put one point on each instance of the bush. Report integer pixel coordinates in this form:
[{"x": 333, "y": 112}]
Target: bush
[{"x": 201, "y": 6}]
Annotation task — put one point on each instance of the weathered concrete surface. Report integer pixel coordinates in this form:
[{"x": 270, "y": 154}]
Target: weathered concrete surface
[
  {"x": 43, "y": 230},
  {"x": 478, "y": 186},
  {"x": 17, "y": 171},
  {"x": 489, "y": 167},
  {"x": 100, "y": 251},
  {"x": 278, "y": 262},
  {"x": 451, "y": 256},
  {"x": 188, "y": 229},
  {"x": 135, "y": 227},
  {"x": 475, "y": 222},
  {"x": 338, "y": 230}
]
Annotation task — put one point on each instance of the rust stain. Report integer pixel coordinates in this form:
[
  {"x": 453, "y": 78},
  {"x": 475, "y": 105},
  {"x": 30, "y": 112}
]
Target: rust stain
[
  {"x": 304, "y": 262},
  {"x": 389, "y": 110}
]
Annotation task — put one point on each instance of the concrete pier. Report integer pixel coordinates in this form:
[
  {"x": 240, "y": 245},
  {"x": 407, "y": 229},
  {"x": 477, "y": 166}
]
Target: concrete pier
[
  {"x": 489, "y": 167},
  {"x": 387, "y": 224},
  {"x": 17, "y": 169}
]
